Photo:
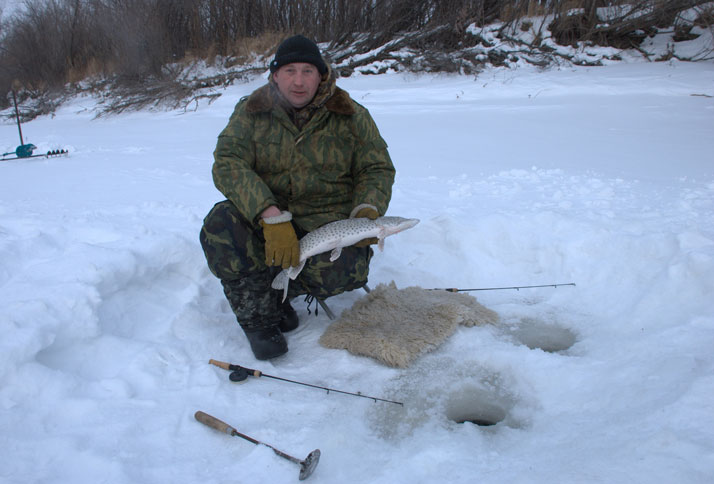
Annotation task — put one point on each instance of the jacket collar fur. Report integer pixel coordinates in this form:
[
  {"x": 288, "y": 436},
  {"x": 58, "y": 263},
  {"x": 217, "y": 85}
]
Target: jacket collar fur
[{"x": 261, "y": 101}]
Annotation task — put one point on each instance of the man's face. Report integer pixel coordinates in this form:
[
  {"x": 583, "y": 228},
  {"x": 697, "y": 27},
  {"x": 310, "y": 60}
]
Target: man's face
[{"x": 297, "y": 82}]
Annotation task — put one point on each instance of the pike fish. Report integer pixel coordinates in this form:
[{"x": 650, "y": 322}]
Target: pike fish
[{"x": 332, "y": 237}]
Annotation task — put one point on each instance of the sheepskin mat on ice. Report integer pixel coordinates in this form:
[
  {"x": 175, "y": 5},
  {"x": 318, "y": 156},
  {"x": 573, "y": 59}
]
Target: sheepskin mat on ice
[{"x": 395, "y": 326}]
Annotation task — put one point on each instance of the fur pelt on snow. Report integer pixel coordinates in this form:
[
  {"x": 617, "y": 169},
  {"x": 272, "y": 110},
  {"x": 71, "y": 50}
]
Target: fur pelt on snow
[{"x": 395, "y": 326}]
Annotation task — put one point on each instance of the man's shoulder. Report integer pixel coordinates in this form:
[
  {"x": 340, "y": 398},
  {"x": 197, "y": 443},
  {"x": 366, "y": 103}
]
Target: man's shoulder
[
  {"x": 243, "y": 117},
  {"x": 259, "y": 101},
  {"x": 247, "y": 108},
  {"x": 341, "y": 103}
]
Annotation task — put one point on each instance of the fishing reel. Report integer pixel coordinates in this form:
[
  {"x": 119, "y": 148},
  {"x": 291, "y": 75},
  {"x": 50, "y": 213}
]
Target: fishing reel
[{"x": 239, "y": 375}]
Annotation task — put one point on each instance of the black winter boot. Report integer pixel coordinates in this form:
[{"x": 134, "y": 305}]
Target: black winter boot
[
  {"x": 266, "y": 343},
  {"x": 288, "y": 317},
  {"x": 253, "y": 302}
]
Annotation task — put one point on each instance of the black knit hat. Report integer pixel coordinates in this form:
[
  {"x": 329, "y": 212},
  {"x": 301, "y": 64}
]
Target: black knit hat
[{"x": 298, "y": 49}]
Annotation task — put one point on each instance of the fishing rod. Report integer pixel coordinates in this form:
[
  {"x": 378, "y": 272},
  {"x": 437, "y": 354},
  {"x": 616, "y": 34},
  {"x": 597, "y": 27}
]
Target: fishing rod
[
  {"x": 240, "y": 373},
  {"x": 454, "y": 289}
]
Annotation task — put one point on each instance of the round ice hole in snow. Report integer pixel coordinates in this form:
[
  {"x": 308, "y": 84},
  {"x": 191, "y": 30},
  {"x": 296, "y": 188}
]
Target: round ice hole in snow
[
  {"x": 547, "y": 337},
  {"x": 475, "y": 405}
]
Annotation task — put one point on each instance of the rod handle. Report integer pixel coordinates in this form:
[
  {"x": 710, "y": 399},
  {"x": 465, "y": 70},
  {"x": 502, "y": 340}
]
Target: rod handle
[
  {"x": 232, "y": 367},
  {"x": 220, "y": 364},
  {"x": 214, "y": 423}
]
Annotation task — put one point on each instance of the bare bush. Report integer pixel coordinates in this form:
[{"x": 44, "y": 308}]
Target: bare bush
[
  {"x": 49, "y": 45},
  {"x": 626, "y": 28}
]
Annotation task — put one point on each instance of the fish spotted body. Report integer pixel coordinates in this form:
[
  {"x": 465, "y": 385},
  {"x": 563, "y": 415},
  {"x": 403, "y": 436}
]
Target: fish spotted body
[{"x": 333, "y": 236}]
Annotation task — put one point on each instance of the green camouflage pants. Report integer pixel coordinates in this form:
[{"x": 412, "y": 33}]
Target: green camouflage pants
[{"x": 235, "y": 253}]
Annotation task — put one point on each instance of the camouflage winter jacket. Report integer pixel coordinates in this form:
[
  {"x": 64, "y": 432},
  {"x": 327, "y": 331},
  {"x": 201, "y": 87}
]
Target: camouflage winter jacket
[{"x": 320, "y": 173}]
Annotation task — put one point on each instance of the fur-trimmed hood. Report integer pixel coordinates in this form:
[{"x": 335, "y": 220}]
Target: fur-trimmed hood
[{"x": 262, "y": 101}]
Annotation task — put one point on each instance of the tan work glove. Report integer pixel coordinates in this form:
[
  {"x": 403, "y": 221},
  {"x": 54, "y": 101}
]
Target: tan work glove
[
  {"x": 281, "y": 243},
  {"x": 365, "y": 211}
]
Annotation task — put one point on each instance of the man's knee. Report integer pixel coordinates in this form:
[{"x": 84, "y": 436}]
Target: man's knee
[
  {"x": 221, "y": 221},
  {"x": 229, "y": 243}
]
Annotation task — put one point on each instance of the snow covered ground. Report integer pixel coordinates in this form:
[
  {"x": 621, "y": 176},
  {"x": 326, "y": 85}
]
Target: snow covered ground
[{"x": 602, "y": 176}]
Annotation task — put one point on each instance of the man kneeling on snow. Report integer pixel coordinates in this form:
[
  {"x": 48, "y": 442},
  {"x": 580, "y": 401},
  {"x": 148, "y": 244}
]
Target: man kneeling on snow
[{"x": 296, "y": 154}]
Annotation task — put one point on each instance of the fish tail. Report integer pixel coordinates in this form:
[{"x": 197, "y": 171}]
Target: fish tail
[
  {"x": 292, "y": 272},
  {"x": 281, "y": 281}
]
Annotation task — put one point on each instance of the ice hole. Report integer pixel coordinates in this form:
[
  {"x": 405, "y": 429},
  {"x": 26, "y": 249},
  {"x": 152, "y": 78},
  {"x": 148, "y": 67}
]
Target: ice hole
[
  {"x": 547, "y": 337},
  {"x": 476, "y": 405}
]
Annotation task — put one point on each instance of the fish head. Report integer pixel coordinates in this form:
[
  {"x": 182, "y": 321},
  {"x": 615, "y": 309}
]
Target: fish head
[{"x": 394, "y": 225}]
